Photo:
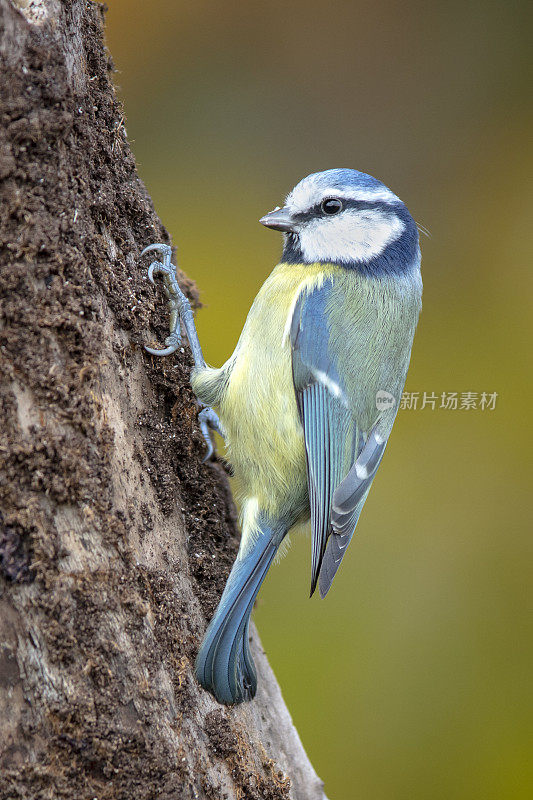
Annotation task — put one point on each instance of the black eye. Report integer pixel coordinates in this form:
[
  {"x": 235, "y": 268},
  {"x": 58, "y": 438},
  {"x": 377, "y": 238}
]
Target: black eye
[{"x": 331, "y": 206}]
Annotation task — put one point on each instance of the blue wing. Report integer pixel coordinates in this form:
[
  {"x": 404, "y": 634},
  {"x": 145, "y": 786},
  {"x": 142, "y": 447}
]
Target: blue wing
[{"x": 341, "y": 459}]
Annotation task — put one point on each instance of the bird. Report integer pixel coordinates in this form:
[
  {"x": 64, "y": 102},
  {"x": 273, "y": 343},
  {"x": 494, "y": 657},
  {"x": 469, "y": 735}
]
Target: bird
[{"x": 307, "y": 400}]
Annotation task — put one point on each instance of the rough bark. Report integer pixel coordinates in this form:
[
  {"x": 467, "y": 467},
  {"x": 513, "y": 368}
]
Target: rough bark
[{"x": 115, "y": 539}]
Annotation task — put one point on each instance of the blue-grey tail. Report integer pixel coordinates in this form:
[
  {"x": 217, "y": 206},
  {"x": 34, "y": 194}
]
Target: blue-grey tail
[
  {"x": 224, "y": 665},
  {"x": 335, "y": 551}
]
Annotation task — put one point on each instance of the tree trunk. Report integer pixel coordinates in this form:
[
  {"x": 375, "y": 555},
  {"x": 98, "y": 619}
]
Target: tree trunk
[{"x": 115, "y": 538}]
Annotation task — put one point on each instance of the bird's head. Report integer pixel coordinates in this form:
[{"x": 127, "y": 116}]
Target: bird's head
[{"x": 345, "y": 217}]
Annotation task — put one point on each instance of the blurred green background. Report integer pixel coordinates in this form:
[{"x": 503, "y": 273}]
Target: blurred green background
[{"x": 413, "y": 679}]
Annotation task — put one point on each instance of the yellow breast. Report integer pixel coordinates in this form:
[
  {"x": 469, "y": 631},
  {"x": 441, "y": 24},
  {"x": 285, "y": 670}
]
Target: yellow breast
[{"x": 258, "y": 409}]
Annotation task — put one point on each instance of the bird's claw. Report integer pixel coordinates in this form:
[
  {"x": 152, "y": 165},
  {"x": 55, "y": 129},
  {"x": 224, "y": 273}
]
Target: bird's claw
[
  {"x": 209, "y": 421},
  {"x": 156, "y": 267},
  {"x": 173, "y": 342},
  {"x": 165, "y": 249},
  {"x": 176, "y": 299}
]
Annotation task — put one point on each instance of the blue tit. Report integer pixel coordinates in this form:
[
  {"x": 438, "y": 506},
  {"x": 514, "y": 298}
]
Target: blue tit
[{"x": 308, "y": 399}]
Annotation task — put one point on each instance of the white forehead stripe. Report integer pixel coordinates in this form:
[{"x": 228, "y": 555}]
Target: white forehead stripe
[
  {"x": 310, "y": 192},
  {"x": 378, "y": 195}
]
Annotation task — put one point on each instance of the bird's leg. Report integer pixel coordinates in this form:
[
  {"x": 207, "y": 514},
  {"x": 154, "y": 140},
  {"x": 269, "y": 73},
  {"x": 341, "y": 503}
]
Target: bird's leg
[{"x": 181, "y": 311}]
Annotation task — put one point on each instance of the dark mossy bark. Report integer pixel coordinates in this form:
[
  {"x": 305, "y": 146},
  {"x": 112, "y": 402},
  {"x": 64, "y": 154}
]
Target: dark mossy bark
[{"x": 115, "y": 538}]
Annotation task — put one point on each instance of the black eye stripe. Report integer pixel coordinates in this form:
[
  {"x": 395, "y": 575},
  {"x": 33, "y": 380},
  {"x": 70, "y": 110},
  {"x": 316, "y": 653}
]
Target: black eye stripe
[{"x": 355, "y": 205}]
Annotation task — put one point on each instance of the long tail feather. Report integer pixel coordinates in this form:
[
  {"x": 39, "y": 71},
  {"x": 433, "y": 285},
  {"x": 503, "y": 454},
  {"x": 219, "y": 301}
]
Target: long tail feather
[
  {"x": 335, "y": 551},
  {"x": 224, "y": 665}
]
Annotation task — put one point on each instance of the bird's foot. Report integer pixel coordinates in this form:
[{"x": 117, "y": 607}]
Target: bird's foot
[
  {"x": 181, "y": 311},
  {"x": 209, "y": 421},
  {"x": 177, "y": 301}
]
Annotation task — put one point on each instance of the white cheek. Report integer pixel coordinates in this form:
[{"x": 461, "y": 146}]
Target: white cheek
[{"x": 350, "y": 236}]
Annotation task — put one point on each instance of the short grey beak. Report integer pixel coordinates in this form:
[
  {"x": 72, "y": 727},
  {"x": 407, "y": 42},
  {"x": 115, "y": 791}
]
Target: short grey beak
[{"x": 279, "y": 220}]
